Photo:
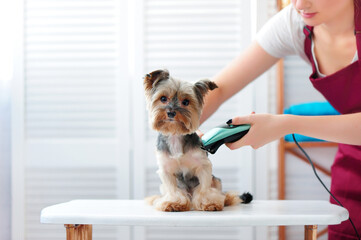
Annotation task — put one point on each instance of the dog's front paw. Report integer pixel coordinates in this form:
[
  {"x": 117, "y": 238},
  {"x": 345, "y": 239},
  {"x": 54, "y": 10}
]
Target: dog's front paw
[
  {"x": 175, "y": 207},
  {"x": 212, "y": 207},
  {"x": 173, "y": 203},
  {"x": 211, "y": 200}
]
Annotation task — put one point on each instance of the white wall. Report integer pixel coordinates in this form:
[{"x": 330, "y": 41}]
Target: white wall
[
  {"x": 6, "y": 32},
  {"x": 5, "y": 161}
]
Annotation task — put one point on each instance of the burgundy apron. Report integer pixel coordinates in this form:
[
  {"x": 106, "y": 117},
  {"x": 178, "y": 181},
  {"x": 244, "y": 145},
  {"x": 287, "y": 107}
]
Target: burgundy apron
[{"x": 343, "y": 90}]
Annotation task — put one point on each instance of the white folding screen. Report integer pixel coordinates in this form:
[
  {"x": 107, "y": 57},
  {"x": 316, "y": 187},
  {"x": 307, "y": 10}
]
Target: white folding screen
[{"x": 70, "y": 111}]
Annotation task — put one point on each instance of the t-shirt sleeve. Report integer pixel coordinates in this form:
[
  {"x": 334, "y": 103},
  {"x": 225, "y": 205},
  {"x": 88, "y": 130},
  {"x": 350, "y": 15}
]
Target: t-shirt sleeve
[{"x": 282, "y": 35}]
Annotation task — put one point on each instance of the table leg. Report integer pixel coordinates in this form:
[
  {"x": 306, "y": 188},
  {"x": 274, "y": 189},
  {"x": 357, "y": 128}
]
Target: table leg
[
  {"x": 78, "y": 232},
  {"x": 310, "y": 232},
  {"x": 281, "y": 232}
]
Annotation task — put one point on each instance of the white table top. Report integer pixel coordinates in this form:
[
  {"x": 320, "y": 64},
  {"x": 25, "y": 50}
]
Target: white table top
[{"x": 137, "y": 213}]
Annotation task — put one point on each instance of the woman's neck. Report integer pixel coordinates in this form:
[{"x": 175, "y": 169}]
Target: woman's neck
[{"x": 341, "y": 25}]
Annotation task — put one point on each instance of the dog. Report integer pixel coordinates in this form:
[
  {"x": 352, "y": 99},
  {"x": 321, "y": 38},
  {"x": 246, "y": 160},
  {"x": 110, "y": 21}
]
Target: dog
[{"x": 174, "y": 108}]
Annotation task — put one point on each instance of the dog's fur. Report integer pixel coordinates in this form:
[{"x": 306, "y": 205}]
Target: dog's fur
[{"x": 175, "y": 108}]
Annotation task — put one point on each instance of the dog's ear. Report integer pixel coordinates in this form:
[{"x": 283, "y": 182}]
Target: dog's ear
[
  {"x": 202, "y": 87},
  {"x": 153, "y": 78}
]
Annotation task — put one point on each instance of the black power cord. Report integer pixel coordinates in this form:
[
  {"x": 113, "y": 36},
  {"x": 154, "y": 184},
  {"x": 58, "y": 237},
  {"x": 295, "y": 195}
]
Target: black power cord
[{"x": 314, "y": 170}]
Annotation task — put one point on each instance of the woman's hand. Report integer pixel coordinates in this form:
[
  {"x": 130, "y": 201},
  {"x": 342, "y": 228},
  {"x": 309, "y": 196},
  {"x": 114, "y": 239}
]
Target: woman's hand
[{"x": 265, "y": 128}]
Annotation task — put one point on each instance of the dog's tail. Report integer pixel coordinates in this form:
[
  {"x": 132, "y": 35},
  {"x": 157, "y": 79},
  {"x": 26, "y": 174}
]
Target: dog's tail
[
  {"x": 233, "y": 198},
  {"x": 150, "y": 200}
]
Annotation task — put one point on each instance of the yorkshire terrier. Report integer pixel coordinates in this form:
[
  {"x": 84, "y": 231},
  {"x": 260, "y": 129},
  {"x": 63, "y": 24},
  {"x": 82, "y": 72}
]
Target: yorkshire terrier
[{"x": 175, "y": 108}]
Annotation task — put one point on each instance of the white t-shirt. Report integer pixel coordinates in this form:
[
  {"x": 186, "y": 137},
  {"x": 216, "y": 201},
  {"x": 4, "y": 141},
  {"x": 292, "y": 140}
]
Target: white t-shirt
[{"x": 283, "y": 35}]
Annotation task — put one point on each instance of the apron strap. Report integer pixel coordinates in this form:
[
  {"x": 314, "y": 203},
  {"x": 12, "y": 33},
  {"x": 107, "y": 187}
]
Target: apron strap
[
  {"x": 308, "y": 31},
  {"x": 357, "y": 5}
]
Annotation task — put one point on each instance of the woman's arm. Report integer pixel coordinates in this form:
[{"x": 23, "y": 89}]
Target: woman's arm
[
  {"x": 266, "y": 128},
  {"x": 341, "y": 128},
  {"x": 242, "y": 70}
]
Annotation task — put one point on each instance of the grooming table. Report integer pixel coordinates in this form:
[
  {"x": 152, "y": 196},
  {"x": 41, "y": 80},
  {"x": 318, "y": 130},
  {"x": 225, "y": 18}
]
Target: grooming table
[{"x": 78, "y": 216}]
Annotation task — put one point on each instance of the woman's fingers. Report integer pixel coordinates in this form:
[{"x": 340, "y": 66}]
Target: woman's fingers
[
  {"x": 265, "y": 128},
  {"x": 241, "y": 120},
  {"x": 238, "y": 144},
  {"x": 238, "y": 121}
]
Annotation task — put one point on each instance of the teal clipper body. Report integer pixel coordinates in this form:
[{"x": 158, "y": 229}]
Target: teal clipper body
[{"x": 217, "y": 136}]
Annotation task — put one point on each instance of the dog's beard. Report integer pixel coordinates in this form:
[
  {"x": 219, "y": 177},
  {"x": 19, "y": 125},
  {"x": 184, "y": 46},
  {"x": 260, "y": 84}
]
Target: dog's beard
[
  {"x": 171, "y": 127},
  {"x": 179, "y": 125}
]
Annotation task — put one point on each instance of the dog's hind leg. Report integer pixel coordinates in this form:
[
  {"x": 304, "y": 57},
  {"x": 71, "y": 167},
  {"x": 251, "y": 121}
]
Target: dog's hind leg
[
  {"x": 216, "y": 183},
  {"x": 232, "y": 197}
]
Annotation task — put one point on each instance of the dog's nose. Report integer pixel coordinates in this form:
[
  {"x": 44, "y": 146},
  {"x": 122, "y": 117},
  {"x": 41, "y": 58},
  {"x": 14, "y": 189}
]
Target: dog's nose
[{"x": 171, "y": 114}]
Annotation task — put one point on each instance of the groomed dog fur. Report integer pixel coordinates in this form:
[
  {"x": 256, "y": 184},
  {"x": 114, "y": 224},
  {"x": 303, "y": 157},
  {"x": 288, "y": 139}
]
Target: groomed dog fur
[{"x": 175, "y": 108}]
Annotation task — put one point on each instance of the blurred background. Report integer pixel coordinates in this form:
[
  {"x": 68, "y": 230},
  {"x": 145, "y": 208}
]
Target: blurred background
[{"x": 73, "y": 123}]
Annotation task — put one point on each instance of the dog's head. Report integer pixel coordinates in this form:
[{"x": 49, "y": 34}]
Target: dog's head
[{"x": 174, "y": 106}]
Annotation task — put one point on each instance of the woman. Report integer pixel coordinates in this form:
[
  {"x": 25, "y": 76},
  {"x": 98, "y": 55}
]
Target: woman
[{"x": 326, "y": 34}]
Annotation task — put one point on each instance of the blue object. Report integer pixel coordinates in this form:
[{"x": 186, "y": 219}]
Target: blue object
[
  {"x": 302, "y": 138},
  {"x": 217, "y": 136},
  {"x": 312, "y": 109},
  {"x": 309, "y": 109}
]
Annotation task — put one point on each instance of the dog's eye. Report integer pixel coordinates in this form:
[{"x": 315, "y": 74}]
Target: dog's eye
[
  {"x": 163, "y": 99},
  {"x": 185, "y": 102}
]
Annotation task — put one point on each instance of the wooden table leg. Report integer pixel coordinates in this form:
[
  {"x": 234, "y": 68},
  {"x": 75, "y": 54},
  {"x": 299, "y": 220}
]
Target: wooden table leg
[
  {"x": 310, "y": 232},
  {"x": 78, "y": 232},
  {"x": 281, "y": 233}
]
